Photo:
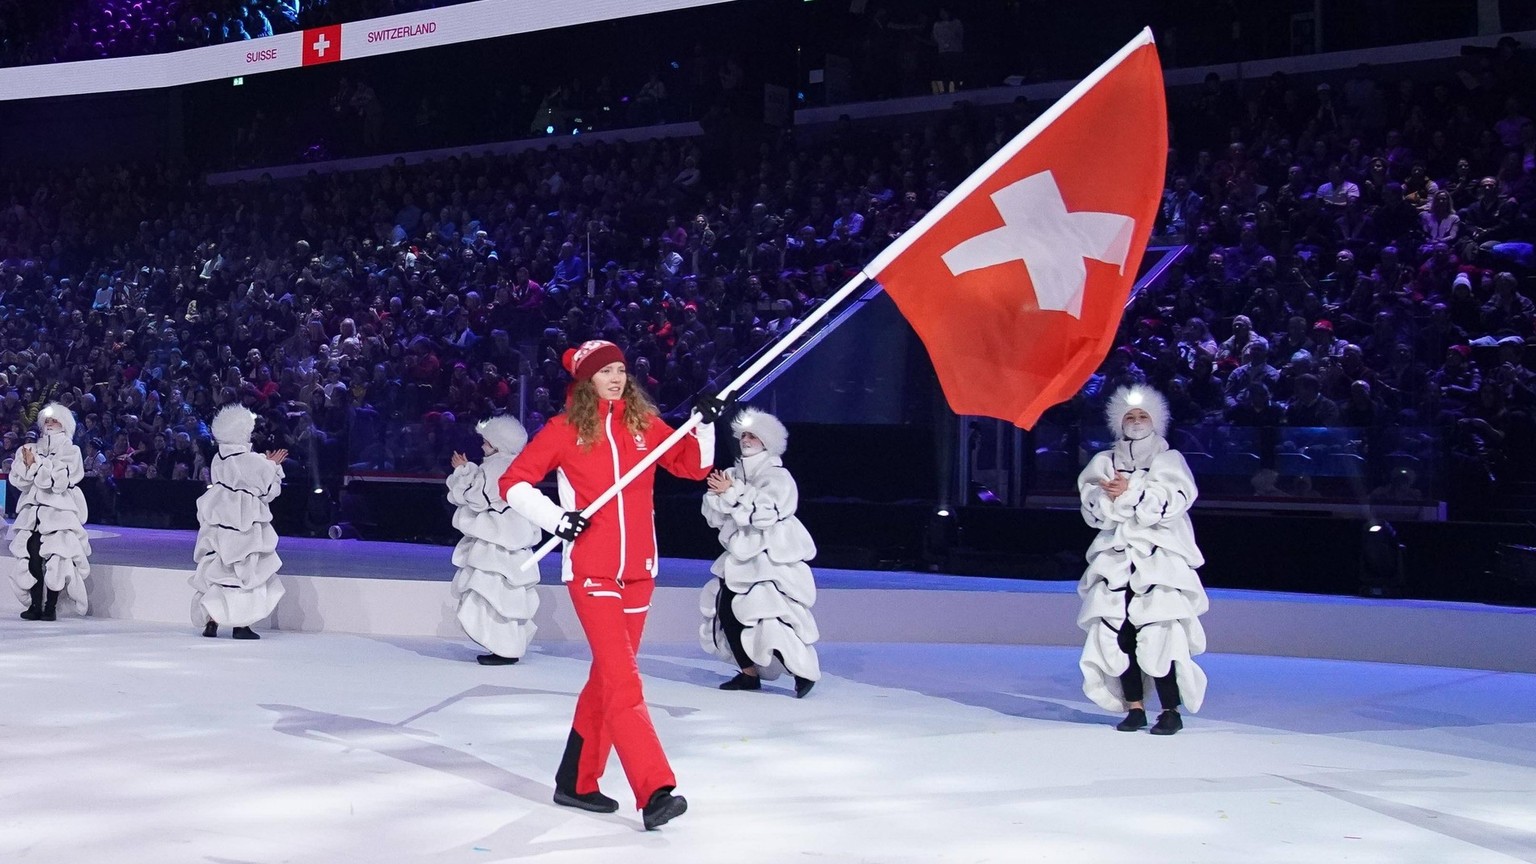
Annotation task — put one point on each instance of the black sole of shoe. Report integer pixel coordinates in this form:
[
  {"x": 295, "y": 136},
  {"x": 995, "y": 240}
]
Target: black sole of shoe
[
  {"x": 495, "y": 660},
  {"x": 676, "y": 806},
  {"x": 1130, "y": 728},
  {"x": 249, "y": 634},
  {"x": 565, "y": 800}
]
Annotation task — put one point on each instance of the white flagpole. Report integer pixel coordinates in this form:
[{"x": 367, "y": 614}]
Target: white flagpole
[
  {"x": 765, "y": 357},
  {"x": 868, "y": 273}
]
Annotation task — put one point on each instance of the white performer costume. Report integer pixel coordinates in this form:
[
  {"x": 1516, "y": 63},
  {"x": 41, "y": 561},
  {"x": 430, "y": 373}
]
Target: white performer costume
[
  {"x": 1141, "y": 566},
  {"x": 770, "y": 587},
  {"x": 48, "y": 537},
  {"x": 236, "y": 552},
  {"x": 497, "y": 599}
]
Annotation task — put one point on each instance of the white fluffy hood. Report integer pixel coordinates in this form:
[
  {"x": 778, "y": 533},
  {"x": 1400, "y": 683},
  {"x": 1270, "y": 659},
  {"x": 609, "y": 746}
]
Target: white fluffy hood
[
  {"x": 765, "y": 426},
  {"x": 55, "y": 411},
  {"x": 233, "y": 425},
  {"x": 505, "y": 434},
  {"x": 1137, "y": 396}
]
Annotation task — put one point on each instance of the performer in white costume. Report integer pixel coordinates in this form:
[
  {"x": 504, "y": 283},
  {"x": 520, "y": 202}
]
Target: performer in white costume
[
  {"x": 496, "y": 598},
  {"x": 48, "y": 536},
  {"x": 1141, "y": 596},
  {"x": 757, "y": 614},
  {"x": 236, "y": 552}
]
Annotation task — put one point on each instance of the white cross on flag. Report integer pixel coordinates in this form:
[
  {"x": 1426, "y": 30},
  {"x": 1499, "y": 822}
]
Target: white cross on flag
[{"x": 1017, "y": 280}]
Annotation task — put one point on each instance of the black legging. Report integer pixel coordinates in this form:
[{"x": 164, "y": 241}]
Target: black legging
[
  {"x": 731, "y": 625},
  {"x": 1131, "y": 679}
]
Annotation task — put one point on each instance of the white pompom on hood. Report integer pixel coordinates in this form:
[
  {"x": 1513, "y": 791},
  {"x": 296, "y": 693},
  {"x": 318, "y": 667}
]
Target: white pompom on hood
[
  {"x": 505, "y": 434},
  {"x": 765, "y": 426},
  {"x": 234, "y": 424},
  {"x": 56, "y": 411}
]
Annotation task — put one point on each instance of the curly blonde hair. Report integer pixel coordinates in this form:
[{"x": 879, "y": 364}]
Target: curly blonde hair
[{"x": 581, "y": 412}]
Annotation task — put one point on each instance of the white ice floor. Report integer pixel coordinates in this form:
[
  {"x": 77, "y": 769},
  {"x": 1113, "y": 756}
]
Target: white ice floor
[{"x": 124, "y": 742}]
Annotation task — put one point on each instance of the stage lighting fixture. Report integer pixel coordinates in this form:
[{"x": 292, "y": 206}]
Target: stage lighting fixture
[
  {"x": 939, "y": 536},
  {"x": 1381, "y": 561},
  {"x": 342, "y": 531}
]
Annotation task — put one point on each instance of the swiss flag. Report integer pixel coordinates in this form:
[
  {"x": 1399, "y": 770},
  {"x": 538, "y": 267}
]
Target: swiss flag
[
  {"x": 1016, "y": 282},
  {"x": 322, "y": 45}
]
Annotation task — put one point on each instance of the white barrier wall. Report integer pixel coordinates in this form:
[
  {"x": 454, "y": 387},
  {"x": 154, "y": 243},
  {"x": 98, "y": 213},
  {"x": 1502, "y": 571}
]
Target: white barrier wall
[{"x": 1465, "y": 635}]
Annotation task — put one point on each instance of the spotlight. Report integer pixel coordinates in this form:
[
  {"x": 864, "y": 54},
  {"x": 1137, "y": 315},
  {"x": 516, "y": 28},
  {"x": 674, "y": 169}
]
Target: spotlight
[
  {"x": 941, "y": 533},
  {"x": 1381, "y": 561},
  {"x": 342, "y": 531}
]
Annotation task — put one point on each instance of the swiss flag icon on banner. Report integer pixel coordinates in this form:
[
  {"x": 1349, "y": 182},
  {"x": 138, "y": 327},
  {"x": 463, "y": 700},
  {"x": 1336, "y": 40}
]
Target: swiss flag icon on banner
[
  {"x": 1017, "y": 280},
  {"x": 322, "y": 45}
]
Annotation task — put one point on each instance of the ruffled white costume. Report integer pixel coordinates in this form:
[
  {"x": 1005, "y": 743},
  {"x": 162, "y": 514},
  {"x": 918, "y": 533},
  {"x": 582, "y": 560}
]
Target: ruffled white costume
[
  {"x": 497, "y": 599},
  {"x": 1145, "y": 548},
  {"x": 53, "y": 507},
  {"x": 766, "y": 548},
  {"x": 236, "y": 551}
]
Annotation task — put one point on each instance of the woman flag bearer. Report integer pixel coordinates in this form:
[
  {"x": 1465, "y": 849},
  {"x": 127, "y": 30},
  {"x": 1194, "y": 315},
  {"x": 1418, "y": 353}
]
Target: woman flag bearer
[{"x": 608, "y": 426}]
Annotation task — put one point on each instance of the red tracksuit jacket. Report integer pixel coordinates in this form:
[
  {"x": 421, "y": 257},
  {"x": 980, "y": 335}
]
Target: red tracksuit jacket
[{"x": 621, "y": 541}]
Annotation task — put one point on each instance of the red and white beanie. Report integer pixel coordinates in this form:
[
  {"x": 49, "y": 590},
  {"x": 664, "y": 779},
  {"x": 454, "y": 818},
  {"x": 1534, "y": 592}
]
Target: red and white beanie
[{"x": 584, "y": 360}]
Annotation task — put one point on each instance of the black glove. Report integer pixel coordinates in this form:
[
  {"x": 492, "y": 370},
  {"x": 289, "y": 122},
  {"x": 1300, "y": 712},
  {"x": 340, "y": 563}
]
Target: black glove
[
  {"x": 712, "y": 408},
  {"x": 571, "y": 525}
]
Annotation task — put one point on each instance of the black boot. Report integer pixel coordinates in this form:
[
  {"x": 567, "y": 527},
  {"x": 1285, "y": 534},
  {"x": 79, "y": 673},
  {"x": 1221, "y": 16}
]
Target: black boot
[
  {"x": 34, "y": 612},
  {"x": 743, "y": 681},
  {"x": 1135, "y": 720},
  {"x": 50, "y": 606},
  {"x": 593, "y": 802},
  {"x": 663, "y": 808},
  {"x": 803, "y": 686},
  {"x": 245, "y": 633},
  {"x": 565, "y": 781},
  {"x": 1168, "y": 723},
  {"x": 495, "y": 660},
  {"x": 211, "y": 629}
]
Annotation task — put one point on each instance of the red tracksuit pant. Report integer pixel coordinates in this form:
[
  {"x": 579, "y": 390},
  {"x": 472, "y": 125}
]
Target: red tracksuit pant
[{"x": 611, "y": 712}]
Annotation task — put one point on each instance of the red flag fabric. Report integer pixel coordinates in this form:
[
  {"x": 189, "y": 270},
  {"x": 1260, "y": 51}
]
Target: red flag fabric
[{"x": 1017, "y": 281}]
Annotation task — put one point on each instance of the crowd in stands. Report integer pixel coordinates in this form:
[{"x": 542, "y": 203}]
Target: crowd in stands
[{"x": 1359, "y": 257}]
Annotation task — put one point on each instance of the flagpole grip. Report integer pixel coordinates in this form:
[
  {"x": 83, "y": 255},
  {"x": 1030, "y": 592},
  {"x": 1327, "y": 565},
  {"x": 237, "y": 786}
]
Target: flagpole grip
[{"x": 741, "y": 381}]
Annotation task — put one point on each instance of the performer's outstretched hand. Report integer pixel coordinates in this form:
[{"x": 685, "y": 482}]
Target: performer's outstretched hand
[
  {"x": 571, "y": 525},
  {"x": 277, "y": 456},
  {"x": 458, "y": 460}
]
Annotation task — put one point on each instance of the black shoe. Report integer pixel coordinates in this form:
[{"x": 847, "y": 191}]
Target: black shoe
[
  {"x": 1168, "y": 723},
  {"x": 245, "y": 633},
  {"x": 211, "y": 629},
  {"x": 498, "y": 660},
  {"x": 50, "y": 606},
  {"x": 663, "y": 808},
  {"x": 743, "y": 681},
  {"x": 34, "y": 611},
  {"x": 1135, "y": 720},
  {"x": 594, "y": 802},
  {"x": 803, "y": 686}
]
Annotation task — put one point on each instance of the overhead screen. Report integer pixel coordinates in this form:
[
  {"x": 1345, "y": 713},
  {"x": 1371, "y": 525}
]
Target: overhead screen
[{"x": 483, "y": 19}]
